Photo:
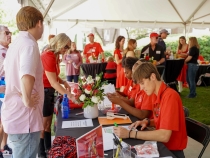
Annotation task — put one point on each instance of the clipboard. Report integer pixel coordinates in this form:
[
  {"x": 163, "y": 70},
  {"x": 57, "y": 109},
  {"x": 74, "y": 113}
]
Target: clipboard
[{"x": 105, "y": 121}]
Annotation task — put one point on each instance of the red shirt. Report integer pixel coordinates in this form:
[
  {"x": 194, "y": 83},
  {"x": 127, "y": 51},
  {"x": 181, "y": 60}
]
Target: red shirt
[
  {"x": 144, "y": 102},
  {"x": 131, "y": 89},
  {"x": 93, "y": 49},
  {"x": 169, "y": 114},
  {"x": 50, "y": 64},
  {"x": 110, "y": 71},
  {"x": 119, "y": 53}
]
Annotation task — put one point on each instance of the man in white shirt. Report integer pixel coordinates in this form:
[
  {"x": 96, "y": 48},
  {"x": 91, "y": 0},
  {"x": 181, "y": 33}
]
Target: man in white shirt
[
  {"x": 5, "y": 40},
  {"x": 24, "y": 96}
]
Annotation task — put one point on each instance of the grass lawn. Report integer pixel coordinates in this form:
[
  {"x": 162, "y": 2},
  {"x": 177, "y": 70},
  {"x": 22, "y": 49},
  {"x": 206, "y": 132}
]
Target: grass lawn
[{"x": 199, "y": 107}]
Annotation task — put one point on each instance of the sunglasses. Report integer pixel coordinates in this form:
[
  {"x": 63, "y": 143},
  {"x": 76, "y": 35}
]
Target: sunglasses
[
  {"x": 7, "y": 32},
  {"x": 66, "y": 47}
]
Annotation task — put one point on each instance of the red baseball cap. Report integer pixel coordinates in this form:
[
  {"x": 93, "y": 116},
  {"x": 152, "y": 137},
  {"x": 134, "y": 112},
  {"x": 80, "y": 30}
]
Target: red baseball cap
[
  {"x": 90, "y": 35},
  {"x": 153, "y": 34}
]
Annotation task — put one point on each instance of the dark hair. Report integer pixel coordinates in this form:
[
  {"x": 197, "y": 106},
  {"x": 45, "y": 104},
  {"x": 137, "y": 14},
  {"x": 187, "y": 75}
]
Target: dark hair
[
  {"x": 128, "y": 62},
  {"x": 180, "y": 45},
  {"x": 117, "y": 42}
]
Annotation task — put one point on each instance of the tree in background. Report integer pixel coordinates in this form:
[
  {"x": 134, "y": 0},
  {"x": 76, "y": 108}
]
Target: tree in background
[
  {"x": 7, "y": 17},
  {"x": 137, "y": 33}
]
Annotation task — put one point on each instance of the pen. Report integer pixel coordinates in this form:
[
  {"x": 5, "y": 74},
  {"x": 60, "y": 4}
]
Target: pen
[
  {"x": 119, "y": 145},
  {"x": 80, "y": 113}
]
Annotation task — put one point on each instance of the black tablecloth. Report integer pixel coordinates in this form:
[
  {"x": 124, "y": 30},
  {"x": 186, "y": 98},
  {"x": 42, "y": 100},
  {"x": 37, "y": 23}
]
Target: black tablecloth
[
  {"x": 172, "y": 71},
  {"x": 202, "y": 70},
  {"x": 77, "y": 132},
  {"x": 93, "y": 69}
]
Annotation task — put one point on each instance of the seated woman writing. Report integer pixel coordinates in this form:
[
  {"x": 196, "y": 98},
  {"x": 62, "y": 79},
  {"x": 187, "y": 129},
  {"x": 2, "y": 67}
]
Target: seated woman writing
[{"x": 138, "y": 103}]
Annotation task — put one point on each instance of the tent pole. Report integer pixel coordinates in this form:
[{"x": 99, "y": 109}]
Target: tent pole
[
  {"x": 190, "y": 27},
  {"x": 48, "y": 8},
  {"x": 185, "y": 29}
]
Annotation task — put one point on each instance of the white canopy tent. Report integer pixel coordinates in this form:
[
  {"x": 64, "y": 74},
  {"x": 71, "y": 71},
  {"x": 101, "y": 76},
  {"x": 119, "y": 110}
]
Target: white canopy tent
[{"x": 125, "y": 13}]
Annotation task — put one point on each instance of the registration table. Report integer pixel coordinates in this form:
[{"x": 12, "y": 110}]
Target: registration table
[
  {"x": 77, "y": 132},
  {"x": 93, "y": 68}
]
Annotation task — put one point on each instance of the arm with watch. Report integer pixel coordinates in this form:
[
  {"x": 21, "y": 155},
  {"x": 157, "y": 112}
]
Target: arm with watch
[{"x": 161, "y": 135}]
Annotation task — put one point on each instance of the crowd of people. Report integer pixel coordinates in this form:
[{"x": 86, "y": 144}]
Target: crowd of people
[{"x": 33, "y": 77}]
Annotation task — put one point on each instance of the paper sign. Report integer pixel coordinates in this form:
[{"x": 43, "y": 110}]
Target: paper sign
[
  {"x": 77, "y": 123},
  {"x": 90, "y": 145}
]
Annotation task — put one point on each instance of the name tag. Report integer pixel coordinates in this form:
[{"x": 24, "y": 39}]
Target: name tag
[
  {"x": 157, "y": 52},
  {"x": 130, "y": 88},
  {"x": 93, "y": 50}
]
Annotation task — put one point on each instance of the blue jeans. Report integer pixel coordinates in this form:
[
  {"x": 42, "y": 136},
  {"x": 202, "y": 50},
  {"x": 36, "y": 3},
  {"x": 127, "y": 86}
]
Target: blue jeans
[
  {"x": 191, "y": 74},
  {"x": 25, "y": 145},
  {"x": 75, "y": 77}
]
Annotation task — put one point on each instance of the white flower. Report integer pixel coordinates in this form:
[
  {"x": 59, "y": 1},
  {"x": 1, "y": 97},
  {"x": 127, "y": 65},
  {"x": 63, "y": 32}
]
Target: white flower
[
  {"x": 95, "y": 99},
  {"x": 89, "y": 80},
  {"x": 97, "y": 78},
  {"x": 82, "y": 97},
  {"x": 87, "y": 91}
]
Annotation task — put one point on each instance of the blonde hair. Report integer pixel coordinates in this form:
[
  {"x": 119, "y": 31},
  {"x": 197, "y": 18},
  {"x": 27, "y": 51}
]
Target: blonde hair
[
  {"x": 110, "y": 59},
  {"x": 144, "y": 71},
  {"x": 193, "y": 42},
  {"x": 58, "y": 42},
  {"x": 27, "y": 18},
  {"x": 130, "y": 47}
]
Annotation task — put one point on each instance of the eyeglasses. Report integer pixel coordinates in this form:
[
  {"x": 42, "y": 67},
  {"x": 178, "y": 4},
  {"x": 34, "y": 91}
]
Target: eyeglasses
[
  {"x": 7, "y": 32},
  {"x": 66, "y": 47}
]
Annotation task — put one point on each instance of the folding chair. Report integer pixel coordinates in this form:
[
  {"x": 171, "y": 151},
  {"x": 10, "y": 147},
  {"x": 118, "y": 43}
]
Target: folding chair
[
  {"x": 203, "y": 76},
  {"x": 199, "y": 132},
  {"x": 186, "y": 112}
]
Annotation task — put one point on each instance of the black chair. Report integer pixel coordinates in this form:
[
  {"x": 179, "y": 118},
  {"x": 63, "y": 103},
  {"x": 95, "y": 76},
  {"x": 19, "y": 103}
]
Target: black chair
[
  {"x": 199, "y": 132},
  {"x": 186, "y": 112},
  {"x": 203, "y": 78}
]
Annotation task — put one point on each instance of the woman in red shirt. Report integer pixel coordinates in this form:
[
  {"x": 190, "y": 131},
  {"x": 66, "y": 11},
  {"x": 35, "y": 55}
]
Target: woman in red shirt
[
  {"x": 50, "y": 60},
  {"x": 118, "y": 54},
  {"x": 182, "y": 52}
]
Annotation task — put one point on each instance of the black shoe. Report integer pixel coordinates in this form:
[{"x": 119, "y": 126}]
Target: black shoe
[
  {"x": 7, "y": 149},
  {"x": 1, "y": 155}
]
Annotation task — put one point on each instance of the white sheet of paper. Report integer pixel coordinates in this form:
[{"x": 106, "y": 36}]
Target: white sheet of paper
[
  {"x": 108, "y": 137},
  {"x": 109, "y": 88},
  {"x": 77, "y": 123}
]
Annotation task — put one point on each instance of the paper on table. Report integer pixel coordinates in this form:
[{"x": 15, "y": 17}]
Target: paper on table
[
  {"x": 108, "y": 137},
  {"x": 77, "y": 123}
]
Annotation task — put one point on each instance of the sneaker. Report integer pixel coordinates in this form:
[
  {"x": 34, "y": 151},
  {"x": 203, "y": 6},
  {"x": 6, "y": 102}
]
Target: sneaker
[
  {"x": 7, "y": 149},
  {"x": 1, "y": 155}
]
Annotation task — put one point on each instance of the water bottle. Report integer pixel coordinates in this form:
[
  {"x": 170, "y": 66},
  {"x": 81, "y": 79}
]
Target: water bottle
[
  {"x": 2, "y": 82},
  {"x": 65, "y": 107}
]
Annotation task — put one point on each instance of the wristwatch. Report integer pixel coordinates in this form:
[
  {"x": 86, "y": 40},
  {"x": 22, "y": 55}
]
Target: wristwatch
[{"x": 148, "y": 121}]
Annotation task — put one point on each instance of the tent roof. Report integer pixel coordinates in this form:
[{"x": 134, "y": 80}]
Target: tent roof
[{"x": 128, "y": 13}]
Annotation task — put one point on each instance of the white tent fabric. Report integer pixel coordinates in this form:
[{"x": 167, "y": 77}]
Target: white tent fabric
[{"x": 127, "y": 13}]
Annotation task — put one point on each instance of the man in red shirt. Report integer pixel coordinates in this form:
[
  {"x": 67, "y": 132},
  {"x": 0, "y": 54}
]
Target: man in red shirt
[
  {"x": 168, "y": 113},
  {"x": 93, "y": 48}
]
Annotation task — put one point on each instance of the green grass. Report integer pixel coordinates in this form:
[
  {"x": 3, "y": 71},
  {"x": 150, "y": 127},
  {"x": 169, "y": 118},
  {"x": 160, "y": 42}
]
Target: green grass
[{"x": 199, "y": 107}]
